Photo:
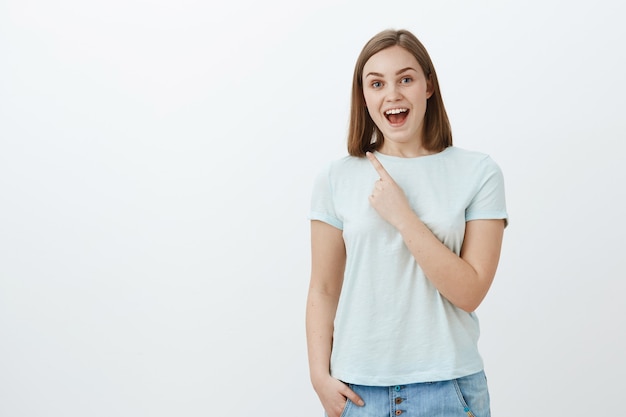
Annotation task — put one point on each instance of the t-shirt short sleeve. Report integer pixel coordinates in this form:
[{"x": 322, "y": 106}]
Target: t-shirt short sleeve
[
  {"x": 322, "y": 201},
  {"x": 489, "y": 200}
]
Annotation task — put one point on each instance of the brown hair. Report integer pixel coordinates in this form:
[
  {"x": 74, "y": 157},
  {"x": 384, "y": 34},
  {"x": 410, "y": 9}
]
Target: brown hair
[{"x": 363, "y": 134}]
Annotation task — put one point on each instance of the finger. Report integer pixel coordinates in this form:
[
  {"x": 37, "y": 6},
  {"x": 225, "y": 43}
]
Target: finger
[
  {"x": 384, "y": 175},
  {"x": 354, "y": 397}
]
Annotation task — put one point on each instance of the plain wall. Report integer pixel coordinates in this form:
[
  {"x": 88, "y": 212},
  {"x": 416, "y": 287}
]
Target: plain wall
[{"x": 156, "y": 163}]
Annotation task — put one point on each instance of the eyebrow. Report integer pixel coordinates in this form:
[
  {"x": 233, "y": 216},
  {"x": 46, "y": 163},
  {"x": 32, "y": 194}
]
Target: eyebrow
[{"x": 377, "y": 74}]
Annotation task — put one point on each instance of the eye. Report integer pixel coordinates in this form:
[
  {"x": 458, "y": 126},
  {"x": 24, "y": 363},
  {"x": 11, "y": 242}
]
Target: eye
[
  {"x": 377, "y": 84},
  {"x": 406, "y": 80}
]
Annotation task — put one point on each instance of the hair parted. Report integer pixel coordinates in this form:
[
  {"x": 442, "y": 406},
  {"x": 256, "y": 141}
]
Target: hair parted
[{"x": 363, "y": 134}]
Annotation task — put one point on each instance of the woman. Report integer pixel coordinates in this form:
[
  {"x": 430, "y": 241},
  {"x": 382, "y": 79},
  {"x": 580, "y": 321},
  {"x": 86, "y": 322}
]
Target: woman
[{"x": 406, "y": 234}]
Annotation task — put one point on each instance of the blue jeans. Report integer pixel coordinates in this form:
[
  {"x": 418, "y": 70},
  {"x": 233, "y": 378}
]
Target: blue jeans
[{"x": 463, "y": 397}]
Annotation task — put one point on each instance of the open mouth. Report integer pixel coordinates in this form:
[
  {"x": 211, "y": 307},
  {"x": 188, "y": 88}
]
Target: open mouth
[{"x": 396, "y": 116}]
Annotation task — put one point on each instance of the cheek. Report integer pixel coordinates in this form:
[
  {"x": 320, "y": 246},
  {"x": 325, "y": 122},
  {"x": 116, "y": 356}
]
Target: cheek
[{"x": 369, "y": 101}]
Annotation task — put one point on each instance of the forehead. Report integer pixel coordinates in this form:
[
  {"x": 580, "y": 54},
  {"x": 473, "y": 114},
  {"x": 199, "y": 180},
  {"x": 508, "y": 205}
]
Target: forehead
[{"x": 390, "y": 60}]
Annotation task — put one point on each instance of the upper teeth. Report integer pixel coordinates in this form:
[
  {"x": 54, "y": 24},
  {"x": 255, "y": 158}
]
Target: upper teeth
[{"x": 395, "y": 111}]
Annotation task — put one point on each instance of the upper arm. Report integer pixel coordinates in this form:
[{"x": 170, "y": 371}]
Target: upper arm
[
  {"x": 328, "y": 258},
  {"x": 481, "y": 248}
]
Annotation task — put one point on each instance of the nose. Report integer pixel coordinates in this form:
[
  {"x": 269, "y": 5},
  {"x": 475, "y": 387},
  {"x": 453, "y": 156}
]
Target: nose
[{"x": 393, "y": 93}]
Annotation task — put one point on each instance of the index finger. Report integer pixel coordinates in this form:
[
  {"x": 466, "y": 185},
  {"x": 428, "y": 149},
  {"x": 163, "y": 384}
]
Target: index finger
[{"x": 378, "y": 166}]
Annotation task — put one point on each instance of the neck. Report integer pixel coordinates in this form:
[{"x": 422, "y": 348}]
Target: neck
[{"x": 404, "y": 150}]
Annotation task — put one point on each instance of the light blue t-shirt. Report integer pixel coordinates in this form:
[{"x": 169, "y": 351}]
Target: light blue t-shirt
[{"x": 392, "y": 326}]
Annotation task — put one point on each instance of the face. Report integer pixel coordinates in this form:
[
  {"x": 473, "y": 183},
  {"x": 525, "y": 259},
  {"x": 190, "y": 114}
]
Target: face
[{"x": 395, "y": 90}]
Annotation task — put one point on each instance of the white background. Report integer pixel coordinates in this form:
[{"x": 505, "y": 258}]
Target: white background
[{"x": 156, "y": 160}]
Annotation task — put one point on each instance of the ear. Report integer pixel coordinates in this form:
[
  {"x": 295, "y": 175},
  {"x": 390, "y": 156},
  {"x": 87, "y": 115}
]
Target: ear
[{"x": 430, "y": 88}]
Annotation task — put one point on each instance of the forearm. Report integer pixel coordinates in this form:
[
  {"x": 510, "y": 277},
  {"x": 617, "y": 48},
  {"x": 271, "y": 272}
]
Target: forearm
[
  {"x": 320, "y": 316},
  {"x": 454, "y": 277}
]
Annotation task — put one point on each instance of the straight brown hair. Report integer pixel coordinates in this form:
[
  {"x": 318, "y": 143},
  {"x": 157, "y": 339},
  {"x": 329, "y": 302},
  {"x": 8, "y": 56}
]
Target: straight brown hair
[{"x": 363, "y": 134}]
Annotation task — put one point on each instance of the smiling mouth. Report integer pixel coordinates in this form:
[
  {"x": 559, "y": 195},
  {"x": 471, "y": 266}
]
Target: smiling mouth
[{"x": 396, "y": 116}]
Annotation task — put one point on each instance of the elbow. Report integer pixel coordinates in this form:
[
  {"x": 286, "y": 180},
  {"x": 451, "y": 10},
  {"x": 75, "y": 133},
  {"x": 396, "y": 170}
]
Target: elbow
[
  {"x": 470, "y": 304},
  {"x": 472, "y": 297},
  {"x": 469, "y": 308}
]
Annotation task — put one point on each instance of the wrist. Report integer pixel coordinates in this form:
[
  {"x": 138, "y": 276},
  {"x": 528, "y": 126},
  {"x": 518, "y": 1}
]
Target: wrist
[
  {"x": 407, "y": 221},
  {"x": 318, "y": 378}
]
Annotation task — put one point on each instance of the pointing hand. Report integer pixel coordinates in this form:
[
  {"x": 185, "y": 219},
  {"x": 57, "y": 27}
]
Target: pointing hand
[{"x": 387, "y": 197}]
